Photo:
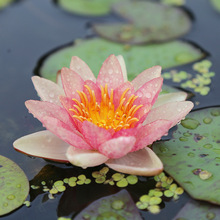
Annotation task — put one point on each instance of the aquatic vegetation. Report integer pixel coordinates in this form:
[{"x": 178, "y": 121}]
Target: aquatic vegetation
[
  {"x": 194, "y": 163},
  {"x": 14, "y": 186}
]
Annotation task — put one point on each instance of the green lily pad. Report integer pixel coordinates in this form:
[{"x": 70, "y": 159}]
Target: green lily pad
[
  {"x": 192, "y": 156},
  {"x": 137, "y": 58},
  {"x": 198, "y": 210},
  {"x": 216, "y": 4},
  {"x": 148, "y": 22},
  {"x": 117, "y": 206},
  {"x": 14, "y": 186},
  {"x": 85, "y": 7},
  {"x": 5, "y": 3}
]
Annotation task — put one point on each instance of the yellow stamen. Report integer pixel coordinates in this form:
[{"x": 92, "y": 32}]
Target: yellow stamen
[{"x": 104, "y": 114}]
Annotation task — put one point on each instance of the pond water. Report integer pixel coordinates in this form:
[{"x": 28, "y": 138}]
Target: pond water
[{"x": 29, "y": 29}]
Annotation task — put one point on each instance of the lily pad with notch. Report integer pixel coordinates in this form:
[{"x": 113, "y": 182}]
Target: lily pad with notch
[
  {"x": 137, "y": 58},
  {"x": 192, "y": 156},
  {"x": 14, "y": 186},
  {"x": 147, "y": 22}
]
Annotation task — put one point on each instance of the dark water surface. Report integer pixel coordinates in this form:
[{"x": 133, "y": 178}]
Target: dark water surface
[{"x": 28, "y": 30}]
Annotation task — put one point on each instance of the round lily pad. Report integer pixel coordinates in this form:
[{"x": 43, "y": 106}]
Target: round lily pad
[
  {"x": 216, "y": 4},
  {"x": 137, "y": 58},
  {"x": 192, "y": 156},
  {"x": 85, "y": 7},
  {"x": 5, "y": 3},
  {"x": 148, "y": 22},
  {"x": 14, "y": 186}
]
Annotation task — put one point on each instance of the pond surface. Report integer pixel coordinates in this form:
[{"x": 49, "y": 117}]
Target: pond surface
[{"x": 28, "y": 30}]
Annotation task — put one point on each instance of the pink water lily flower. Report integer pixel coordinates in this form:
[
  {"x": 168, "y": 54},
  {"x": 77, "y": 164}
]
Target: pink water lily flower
[{"x": 108, "y": 120}]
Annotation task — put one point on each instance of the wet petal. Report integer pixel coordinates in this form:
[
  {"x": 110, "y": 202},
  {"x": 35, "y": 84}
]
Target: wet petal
[
  {"x": 43, "y": 144},
  {"x": 170, "y": 97},
  {"x": 110, "y": 73},
  {"x": 143, "y": 162},
  {"x": 85, "y": 158},
  {"x": 149, "y": 92},
  {"x": 95, "y": 135},
  {"x": 61, "y": 130},
  {"x": 146, "y": 76},
  {"x": 117, "y": 147},
  {"x": 47, "y": 90},
  {"x": 123, "y": 67},
  {"x": 71, "y": 82},
  {"x": 151, "y": 132},
  {"x": 41, "y": 109},
  {"x": 173, "y": 111},
  {"x": 80, "y": 67}
]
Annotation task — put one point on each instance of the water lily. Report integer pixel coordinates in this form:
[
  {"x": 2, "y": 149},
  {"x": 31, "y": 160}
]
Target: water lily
[{"x": 108, "y": 120}]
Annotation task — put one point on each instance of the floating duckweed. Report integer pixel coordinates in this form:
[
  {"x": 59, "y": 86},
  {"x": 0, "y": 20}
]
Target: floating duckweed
[
  {"x": 50, "y": 196},
  {"x": 215, "y": 112},
  {"x": 190, "y": 123},
  {"x": 132, "y": 179},
  {"x": 204, "y": 175},
  {"x": 61, "y": 188},
  {"x": 110, "y": 182},
  {"x": 155, "y": 209},
  {"x": 176, "y": 76},
  {"x": 72, "y": 184},
  {"x": 142, "y": 205},
  {"x": 11, "y": 197},
  {"x": 203, "y": 66},
  {"x": 155, "y": 192},
  {"x": 46, "y": 189},
  {"x": 58, "y": 183},
  {"x": 53, "y": 191},
  {"x": 72, "y": 179},
  {"x": 104, "y": 170},
  {"x": 117, "y": 176},
  {"x": 118, "y": 204},
  {"x": 122, "y": 183},
  {"x": 64, "y": 218},
  {"x": 100, "y": 180},
  {"x": 82, "y": 177},
  {"x": 183, "y": 139},
  {"x": 168, "y": 193},
  {"x": 96, "y": 174},
  {"x": 27, "y": 203},
  {"x": 43, "y": 183},
  {"x": 179, "y": 191},
  {"x": 66, "y": 180},
  {"x": 87, "y": 181},
  {"x": 35, "y": 187},
  {"x": 207, "y": 120},
  {"x": 210, "y": 215},
  {"x": 145, "y": 198},
  {"x": 155, "y": 200},
  {"x": 187, "y": 134}
]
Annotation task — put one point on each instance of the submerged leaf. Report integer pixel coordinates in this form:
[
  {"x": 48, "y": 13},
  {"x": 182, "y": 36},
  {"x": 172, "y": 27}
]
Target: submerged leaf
[
  {"x": 138, "y": 58},
  {"x": 117, "y": 206},
  {"x": 14, "y": 186},
  {"x": 192, "y": 155}
]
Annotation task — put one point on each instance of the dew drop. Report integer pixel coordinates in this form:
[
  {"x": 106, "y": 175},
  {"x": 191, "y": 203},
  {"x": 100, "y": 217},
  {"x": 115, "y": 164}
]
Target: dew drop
[
  {"x": 148, "y": 95},
  {"x": 210, "y": 215},
  {"x": 51, "y": 95},
  {"x": 11, "y": 197},
  {"x": 5, "y": 204},
  {"x": 207, "y": 146},
  {"x": 110, "y": 71},
  {"x": 190, "y": 123},
  {"x": 204, "y": 175},
  {"x": 163, "y": 149},
  {"x": 190, "y": 154},
  {"x": 215, "y": 112},
  {"x": 183, "y": 139},
  {"x": 78, "y": 67},
  {"x": 207, "y": 120}
]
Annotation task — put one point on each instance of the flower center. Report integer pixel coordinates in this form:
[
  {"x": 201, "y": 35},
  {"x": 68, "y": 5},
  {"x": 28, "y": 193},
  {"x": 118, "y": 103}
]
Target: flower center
[{"x": 104, "y": 114}]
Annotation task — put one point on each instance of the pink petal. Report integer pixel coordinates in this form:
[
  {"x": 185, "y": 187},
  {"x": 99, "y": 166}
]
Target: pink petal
[
  {"x": 170, "y": 97},
  {"x": 41, "y": 109},
  {"x": 85, "y": 158},
  {"x": 146, "y": 76},
  {"x": 151, "y": 132},
  {"x": 80, "y": 67},
  {"x": 71, "y": 83},
  {"x": 149, "y": 92},
  {"x": 61, "y": 130},
  {"x": 123, "y": 67},
  {"x": 172, "y": 111},
  {"x": 110, "y": 73},
  {"x": 119, "y": 91},
  {"x": 95, "y": 135},
  {"x": 93, "y": 87},
  {"x": 47, "y": 90},
  {"x": 117, "y": 147},
  {"x": 143, "y": 162},
  {"x": 43, "y": 144}
]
